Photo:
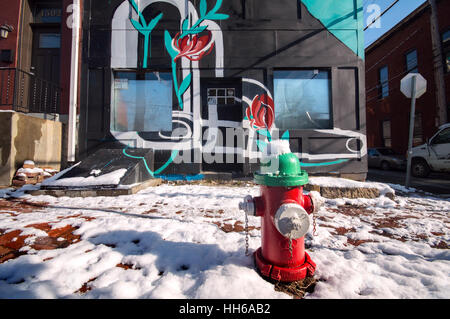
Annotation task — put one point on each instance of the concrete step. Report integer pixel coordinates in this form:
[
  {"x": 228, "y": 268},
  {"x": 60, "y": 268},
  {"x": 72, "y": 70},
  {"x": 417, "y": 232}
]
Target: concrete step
[{"x": 106, "y": 161}]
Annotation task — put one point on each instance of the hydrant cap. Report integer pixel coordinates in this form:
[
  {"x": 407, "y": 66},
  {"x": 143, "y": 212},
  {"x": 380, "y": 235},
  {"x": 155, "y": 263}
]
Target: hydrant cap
[{"x": 283, "y": 170}]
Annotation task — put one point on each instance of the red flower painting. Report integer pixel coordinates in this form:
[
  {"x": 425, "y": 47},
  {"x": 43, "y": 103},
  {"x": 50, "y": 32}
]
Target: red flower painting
[
  {"x": 193, "y": 48},
  {"x": 261, "y": 112}
]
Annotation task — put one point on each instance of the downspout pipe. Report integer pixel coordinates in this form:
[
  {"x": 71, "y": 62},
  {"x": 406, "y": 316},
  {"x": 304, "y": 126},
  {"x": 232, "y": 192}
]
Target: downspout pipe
[{"x": 73, "y": 95}]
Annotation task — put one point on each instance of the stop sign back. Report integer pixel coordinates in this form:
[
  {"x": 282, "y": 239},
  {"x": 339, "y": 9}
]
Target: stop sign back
[{"x": 406, "y": 85}]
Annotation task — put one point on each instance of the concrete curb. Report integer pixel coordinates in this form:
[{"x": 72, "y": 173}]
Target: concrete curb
[
  {"x": 96, "y": 192},
  {"x": 347, "y": 192}
]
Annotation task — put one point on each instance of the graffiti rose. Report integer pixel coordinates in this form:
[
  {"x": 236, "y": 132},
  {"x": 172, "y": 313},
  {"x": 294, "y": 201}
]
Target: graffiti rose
[
  {"x": 261, "y": 112},
  {"x": 193, "y": 48}
]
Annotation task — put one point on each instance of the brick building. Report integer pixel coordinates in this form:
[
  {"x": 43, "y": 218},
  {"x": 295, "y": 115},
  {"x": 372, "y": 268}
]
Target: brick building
[
  {"x": 35, "y": 83},
  {"x": 406, "y": 48}
]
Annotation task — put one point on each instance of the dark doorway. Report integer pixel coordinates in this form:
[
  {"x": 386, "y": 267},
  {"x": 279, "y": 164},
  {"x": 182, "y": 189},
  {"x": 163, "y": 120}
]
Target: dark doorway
[
  {"x": 45, "y": 62},
  {"x": 222, "y": 111}
]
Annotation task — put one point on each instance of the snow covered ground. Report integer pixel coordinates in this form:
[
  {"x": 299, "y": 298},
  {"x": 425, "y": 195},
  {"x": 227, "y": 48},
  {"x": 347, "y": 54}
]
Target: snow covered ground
[{"x": 188, "y": 241}]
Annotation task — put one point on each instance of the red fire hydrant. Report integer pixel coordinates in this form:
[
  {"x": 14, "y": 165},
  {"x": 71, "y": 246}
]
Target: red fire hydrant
[{"x": 285, "y": 219}]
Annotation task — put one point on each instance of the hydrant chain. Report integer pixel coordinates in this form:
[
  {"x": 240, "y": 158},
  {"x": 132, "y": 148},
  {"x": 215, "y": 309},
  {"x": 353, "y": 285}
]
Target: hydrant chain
[{"x": 246, "y": 234}]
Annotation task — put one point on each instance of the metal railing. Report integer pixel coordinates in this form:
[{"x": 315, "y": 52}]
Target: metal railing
[{"x": 24, "y": 92}]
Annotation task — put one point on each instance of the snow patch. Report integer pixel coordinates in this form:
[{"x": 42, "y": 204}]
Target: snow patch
[{"x": 112, "y": 178}]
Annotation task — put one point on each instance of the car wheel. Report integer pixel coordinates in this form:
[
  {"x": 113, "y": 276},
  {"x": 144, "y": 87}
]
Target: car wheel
[
  {"x": 385, "y": 166},
  {"x": 420, "y": 168}
]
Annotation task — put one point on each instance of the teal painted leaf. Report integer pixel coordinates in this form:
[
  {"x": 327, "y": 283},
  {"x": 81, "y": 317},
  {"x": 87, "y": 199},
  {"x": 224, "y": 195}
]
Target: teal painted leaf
[
  {"x": 185, "y": 84},
  {"x": 168, "y": 42},
  {"x": 218, "y": 16},
  {"x": 216, "y": 7},
  {"x": 285, "y": 136},
  {"x": 154, "y": 22},
  {"x": 203, "y": 8},
  {"x": 265, "y": 133},
  {"x": 185, "y": 25},
  {"x": 196, "y": 30},
  {"x": 136, "y": 24}
]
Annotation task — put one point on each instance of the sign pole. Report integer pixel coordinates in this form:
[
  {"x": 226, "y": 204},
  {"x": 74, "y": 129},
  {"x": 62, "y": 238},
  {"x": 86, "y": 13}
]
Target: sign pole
[{"x": 411, "y": 130}]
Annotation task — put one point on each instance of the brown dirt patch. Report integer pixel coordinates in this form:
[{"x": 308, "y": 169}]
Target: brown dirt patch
[
  {"x": 237, "y": 227},
  {"x": 387, "y": 222},
  {"x": 297, "y": 289},
  {"x": 437, "y": 233},
  {"x": 86, "y": 287},
  {"x": 391, "y": 236},
  {"x": 128, "y": 266},
  {"x": 21, "y": 205},
  {"x": 10, "y": 214},
  {"x": 357, "y": 242},
  {"x": 352, "y": 210},
  {"x": 11, "y": 242},
  {"x": 151, "y": 211},
  {"x": 340, "y": 230},
  {"x": 87, "y": 218},
  {"x": 441, "y": 245}
]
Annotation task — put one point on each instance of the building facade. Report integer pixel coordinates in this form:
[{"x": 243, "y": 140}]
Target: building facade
[
  {"x": 209, "y": 85},
  {"x": 406, "y": 48}
]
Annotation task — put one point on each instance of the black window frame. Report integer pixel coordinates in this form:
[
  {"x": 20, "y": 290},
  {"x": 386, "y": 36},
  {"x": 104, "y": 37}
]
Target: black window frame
[
  {"x": 383, "y": 84},
  {"x": 389, "y": 137},
  {"x": 331, "y": 107},
  {"x": 415, "y": 68},
  {"x": 140, "y": 75},
  {"x": 446, "y": 51}
]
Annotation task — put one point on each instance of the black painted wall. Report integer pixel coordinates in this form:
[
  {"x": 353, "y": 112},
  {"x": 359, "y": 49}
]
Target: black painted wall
[{"x": 259, "y": 37}]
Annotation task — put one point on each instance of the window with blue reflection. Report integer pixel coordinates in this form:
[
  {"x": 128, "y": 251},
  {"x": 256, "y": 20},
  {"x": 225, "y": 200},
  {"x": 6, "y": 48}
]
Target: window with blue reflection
[
  {"x": 411, "y": 62},
  {"x": 49, "y": 41},
  {"x": 384, "y": 82},
  {"x": 302, "y": 99},
  {"x": 142, "y": 102}
]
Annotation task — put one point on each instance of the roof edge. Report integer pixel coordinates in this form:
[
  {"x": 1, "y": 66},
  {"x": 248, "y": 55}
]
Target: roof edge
[{"x": 387, "y": 34}]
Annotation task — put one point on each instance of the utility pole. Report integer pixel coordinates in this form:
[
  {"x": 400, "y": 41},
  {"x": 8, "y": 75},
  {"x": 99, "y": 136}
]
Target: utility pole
[{"x": 438, "y": 65}]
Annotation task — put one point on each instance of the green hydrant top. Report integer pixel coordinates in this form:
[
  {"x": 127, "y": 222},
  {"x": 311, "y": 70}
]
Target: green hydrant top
[{"x": 283, "y": 170}]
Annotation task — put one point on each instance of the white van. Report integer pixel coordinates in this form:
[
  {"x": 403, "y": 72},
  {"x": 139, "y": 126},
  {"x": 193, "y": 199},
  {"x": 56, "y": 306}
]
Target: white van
[{"x": 434, "y": 155}]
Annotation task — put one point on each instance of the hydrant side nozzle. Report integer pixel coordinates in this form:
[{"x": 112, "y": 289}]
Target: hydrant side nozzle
[
  {"x": 259, "y": 206},
  {"x": 248, "y": 205},
  {"x": 316, "y": 201}
]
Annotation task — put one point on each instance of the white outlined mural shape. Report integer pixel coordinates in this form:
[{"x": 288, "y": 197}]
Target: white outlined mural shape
[{"x": 124, "y": 55}]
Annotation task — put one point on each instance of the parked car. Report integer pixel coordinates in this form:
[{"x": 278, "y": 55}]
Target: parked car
[
  {"x": 434, "y": 155},
  {"x": 385, "y": 158}
]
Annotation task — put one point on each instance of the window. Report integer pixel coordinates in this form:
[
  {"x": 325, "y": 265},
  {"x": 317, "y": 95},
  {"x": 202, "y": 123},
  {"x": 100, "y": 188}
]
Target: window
[
  {"x": 221, "y": 96},
  {"x": 418, "y": 130},
  {"x": 446, "y": 49},
  {"x": 386, "y": 151},
  {"x": 447, "y": 61},
  {"x": 411, "y": 62},
  {"x": 384, "y": 82},
  {"x": 302, "y": 99},
  {"x": 442, "y": 138},
  {"x": 142, "y": 102},
  {"x": 372, "y": 152},
  {"x": 49, "y": 41},
  {"x": 386, "y": 130}
]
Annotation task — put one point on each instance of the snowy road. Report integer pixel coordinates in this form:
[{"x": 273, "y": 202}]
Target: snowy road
[
  {"x": 437, "y": 183},
  {"x": 188, "y": 241}
]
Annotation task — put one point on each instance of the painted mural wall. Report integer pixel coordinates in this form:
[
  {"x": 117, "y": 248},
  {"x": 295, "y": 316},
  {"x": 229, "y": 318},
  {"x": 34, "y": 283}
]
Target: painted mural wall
[{"x": 209, "y": 84}]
